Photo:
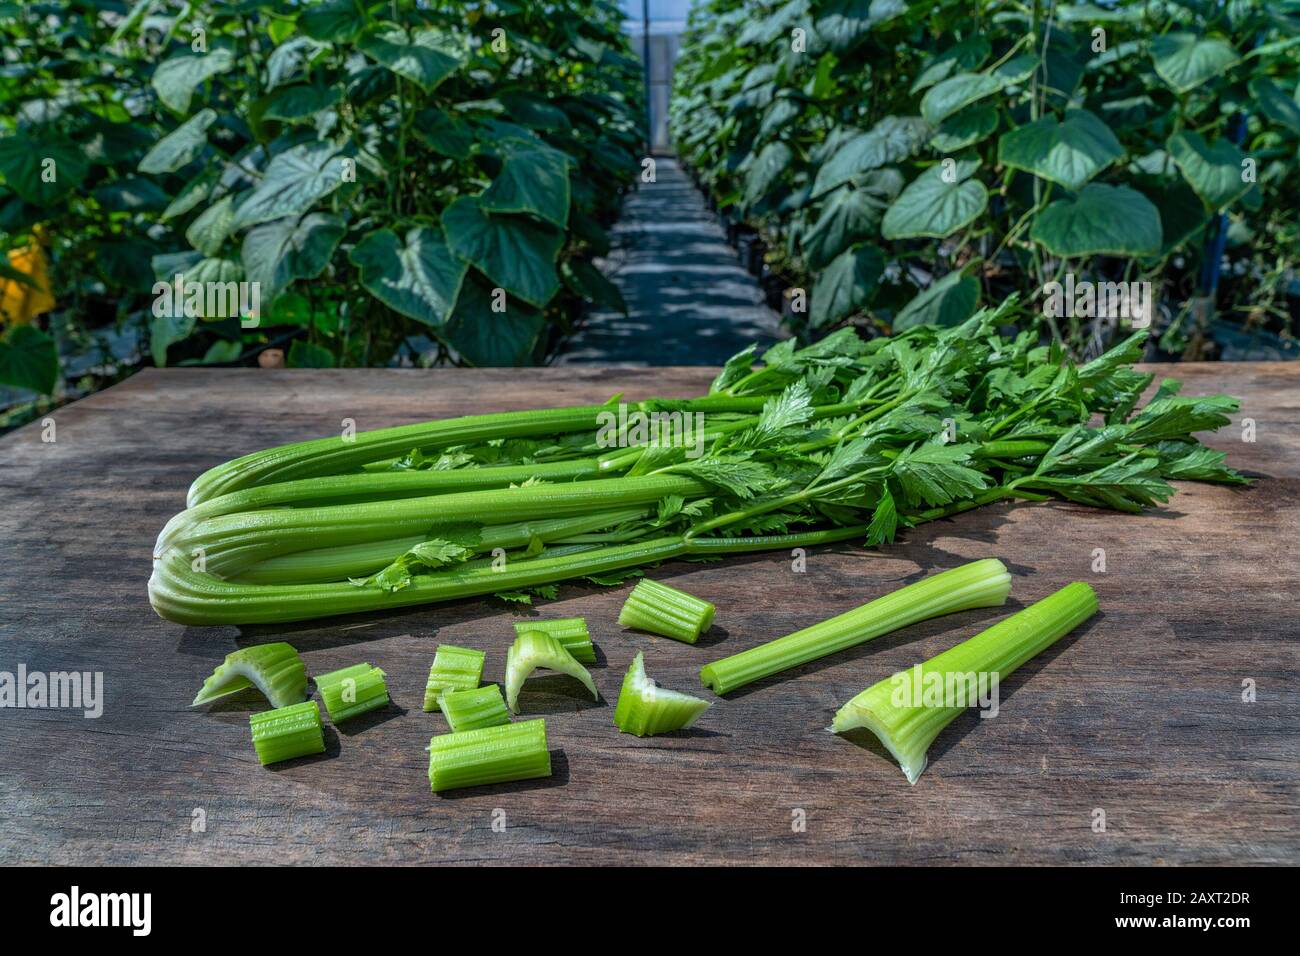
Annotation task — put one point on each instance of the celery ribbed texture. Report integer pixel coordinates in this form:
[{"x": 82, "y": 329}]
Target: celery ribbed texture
[
  {"x": 907, "y": 730},
  {"x": 661, "y": 609},
  {"x": 274, "y": 669},
  {"x": 533, "y": 649},
  {"x": 472, "y": 758},
  {"x": 454, "y": 668},
  {"x": 472, "y": 709},
  {"x": 645, "y": 709},
  {"x": 352, "y": 691},
  {"x": 287, "y": 732},
  {"x": 983, "y": 583},
  {"x": 571, "y": 632}
]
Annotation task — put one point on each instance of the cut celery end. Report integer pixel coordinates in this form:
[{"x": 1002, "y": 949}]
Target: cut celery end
[
  {"x": 474, "y": 709},
  {"x": 571, "y": 632},
  {"x": 645, "y": 709},
  {"x": 533, "y": 649},
  {"x": 287, "y": 732},
  {"x": 473, "y": 758},
  {"x": 454, "y": 668},
  {"x": 274, "y": 669},
  {"x": 352, "y": 691},
  {"x": 901, "y": 711},
  {"x": 984, "y": 583},
  {"x": 664, "y": 610}
]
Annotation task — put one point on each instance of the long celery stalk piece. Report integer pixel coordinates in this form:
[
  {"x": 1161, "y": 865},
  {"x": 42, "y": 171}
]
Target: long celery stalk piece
[
  {"x": 274, "y": 669},
  {"x": 472, "y": 709},
  {"x": 454, "y": 668},
  {"x": 287, "y": 732},
  {"x": 645, "y": 709},
  {"x": 533, "y": 649},
  {"x": 984, "y": 583},
  {"x": 571, "y": 632},
  {"x": 900, "y": 710},
  {"x": 472, "y": 758},
  {"x": 352, "y": 691},
  {"x": 664, "y": 610}
]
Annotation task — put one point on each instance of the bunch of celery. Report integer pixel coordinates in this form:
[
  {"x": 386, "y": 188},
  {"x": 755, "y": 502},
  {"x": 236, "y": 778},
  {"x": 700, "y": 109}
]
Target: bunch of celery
[{"x": 842, "y": 439}]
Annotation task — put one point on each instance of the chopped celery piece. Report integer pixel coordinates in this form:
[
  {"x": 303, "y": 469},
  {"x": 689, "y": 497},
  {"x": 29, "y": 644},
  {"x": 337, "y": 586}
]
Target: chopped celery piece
[
  {"x": 659, "y": 609},
  {"x": 571, "y": 632},
  {"x": 983, "y": 583},
  {"x": 901, "y": 711},
  {"x": 533, "y": 649},
  {"x": 274, "y": 669},
  {"x": 352, "y": 691},
  {"x": 454, "y": 668},
  {"x": 645, "y": 710},
  {"x": 287, "y": 732},
  {"x": 472, "y": 758},
  {"x": 472, "y": 709}
]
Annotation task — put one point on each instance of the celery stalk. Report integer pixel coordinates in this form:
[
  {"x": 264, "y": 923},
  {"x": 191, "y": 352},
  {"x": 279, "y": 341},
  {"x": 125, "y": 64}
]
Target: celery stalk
[
  {"x": 472, "y": 758},
  {"x": 534, "y": 649},
  {"x": 983, "y": 583},
  {"x": 352, "y": 691},
  {"x": 454, "y": 668},
  {"x": 571, "y": 632},
  {"x": 472, "y": 709},
  {"x": 274, "y": 669},
  {"x": 899, "y": 710},
  {"x": 645, "y": 710},
  {"x": 660, "y": 609},
  {"x": 287, "y": 732}
]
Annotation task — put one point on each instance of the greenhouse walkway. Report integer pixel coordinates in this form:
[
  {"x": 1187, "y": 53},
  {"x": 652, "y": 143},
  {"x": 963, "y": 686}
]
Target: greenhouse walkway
[{"x": 690, "y": 302}]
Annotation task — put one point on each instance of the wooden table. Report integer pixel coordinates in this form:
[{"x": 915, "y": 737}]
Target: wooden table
[{"x": 1139, "y": 714}]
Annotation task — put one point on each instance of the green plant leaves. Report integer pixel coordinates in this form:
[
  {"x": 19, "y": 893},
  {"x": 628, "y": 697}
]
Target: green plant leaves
[
  {"x": 418, "y": 277},
  {"x": 590, "y": 284},
  {"x": 278, "y": 253},
  {"x": 766, "y": 170},
  {"x": 209, "y": 231},
  {"x": 443, "y": 134},
  {"x": 891, "y": 140},
  {"x": 1213, "y": 170},
  {"x": 176, "y": 78},
  {"x": 332, "y": 20},
  {"x": 299, "y": 101},
  {"x": 533, "y": 179},
  {"x": 1185, "y": 61},
  {"x": 948, "y": 302},
  {"x": 846, "y": 285},
  {"x": 1274, "y": 103},
  {"x": 308, "y": 355},
  {"x": 957, "y": 92},
  {"x": 294, "y": 180},
  {"x": 843, "y": 23},
  {"x": 850, "y": 215},
  {"x": 130, "y": 194},
  {"x": 484, "y": 337},
  {"x": 965, "y": 56},
  {"x": 28, "y": 359},
  {"x": 42, "y": 170},
  {"x": 932, "y": 206},
  {"x": 1100, "y": 220},
  {"x": 181, "y": 146},
  {"x": 1069, "y": 152},
  {"x": 516, "y": 254},
  {"x": 418, "y": 59},
  {"x": 965, "y": 128}
]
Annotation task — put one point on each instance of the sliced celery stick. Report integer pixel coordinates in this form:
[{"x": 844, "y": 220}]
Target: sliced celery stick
[
  {"x": 571, "y": 632},
  {"x": 472, "y": 709},
  {"x": 533, "y": 649},
  {"x": 645, "y": 710},
  {"x": 659, "y": 609},
  {"x": 287, "y": 732},
  {"x": 896, "y": 709},
  {"x": 454, "y": 668},
  {"x": 472, "y": 758},
  {"x": 274, "y": 669},
  {"x": 352, "y": 691}
]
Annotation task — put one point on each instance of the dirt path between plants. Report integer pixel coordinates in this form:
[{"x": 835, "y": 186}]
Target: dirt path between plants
[{"x": 690, "y": 302}]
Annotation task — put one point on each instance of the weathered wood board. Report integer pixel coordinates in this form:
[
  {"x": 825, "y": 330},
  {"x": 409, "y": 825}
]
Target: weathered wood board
[{"x": 1140, "y": 714}]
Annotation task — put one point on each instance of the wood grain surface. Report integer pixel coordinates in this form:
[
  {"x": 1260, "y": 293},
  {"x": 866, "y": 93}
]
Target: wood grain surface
[{"x": 1138, "y": 714}]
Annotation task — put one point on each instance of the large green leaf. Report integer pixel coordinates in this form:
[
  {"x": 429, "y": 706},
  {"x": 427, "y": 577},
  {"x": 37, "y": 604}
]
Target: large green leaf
[
  {"x": 1213, "y": 170},
  {"x": 948, "y": 302},
  {"x": 130, "y": 194},
  {"x": 1275, "y": 103},
  {"x": 293, "y": 181},
  {"x": 955, "y": 93},
  {"x": 850, "y": 215},
  {"x": 1068, "y": 152},
  {"x": 931, "y": 207},
  {"x": 300, "y": 101},
  {"x": 1100, "y": 220},
  {"x": 420, "y": 59},
  {"x": 290, "y": 58},
  {"x": 533, "y": 179},
  {"x": 965, "y": 128},
  {"x": 588, "y": 282},
  {"x": 181, "y": 146},
  {"x": 843, "y": 23},
  {"x": 891, "y": 140},
  {"x": 166, "y": 330},
  {"x": 443, "y": 134},
  {"x": 28, "y": 359},
  {"x": 208, "y": 232},
  {"x": 486, "y": 338},
  {"x": 276, "y": 254},
  {"x": 1182, "y": 214},
  {"x": 176, "y": 78},
  {"x": 332, "y": 20},
  {"x": 1185, "y": 61},
  {"x": 515, "y": 253},
  {"x": 766, "y": 170},
  {"x": 419, "y": 278},
  {"x": 965, "y": 56},
  {"x": 41, "y": 170},
  {"x": 846, "y": 285},
  {"x": 124, "y": 264}
]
